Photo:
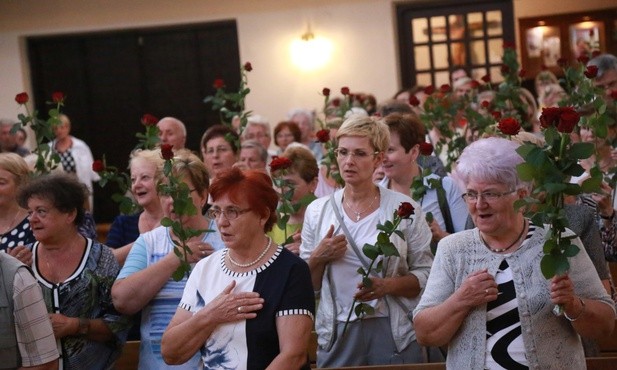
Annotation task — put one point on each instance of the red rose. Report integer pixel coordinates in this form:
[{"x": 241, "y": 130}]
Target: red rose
[
  {"x": 345, "y": 90},
  {"x": 336, "y": 102},
  {"x": 405, "y": 210},
  {"x": 149, "y": 120},
  {"x": 414, "y": 101},
  {"x": 509, "y": 126},
  {"x": 562, "y": 62},
  {"x": 485, "y": 103},
  {"x": 522, "y": 73},
  {"x": 549, "y": 117},
  {"x": 323, "y": 136},
  {"x": 426, "y": 148},
  {"x": 475, "y": 84},
  {"x": 98, "y": 166},
  {"x": 429, "y": 90},
  {"x": 504, "y": 69},
  {"x": 584, "y": 58},
  {"x": 166, "y": 151},
  {"x": 486, "y": 78},
  {"x": 248, "y": 67},
  {"x": 325, "y": 91},
  {"x": 22, "y": 98},
  {"x": 591, "y": 71},
  {"x": 279, "y": 163},
  {"x": 613, "y": 94},
  {"x": 595, "y": 53},
  {"x": 57, "y": 97},
  {"x": 496, "y": 115},
  {"x": 567, "y": 120},
  {"x": 508, "y": 45},
  {"x": 219, "y": 83},
  {"x": 445, "y": 88}
]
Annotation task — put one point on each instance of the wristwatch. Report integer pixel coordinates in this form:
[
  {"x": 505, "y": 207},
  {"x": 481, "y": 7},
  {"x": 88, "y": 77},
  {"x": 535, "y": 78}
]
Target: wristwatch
[{"x": 84, "y": 326}]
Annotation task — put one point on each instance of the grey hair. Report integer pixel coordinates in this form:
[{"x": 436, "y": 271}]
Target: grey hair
[
  {"x": 177, "y": 122},
  {"x": 302, "y": 112},
  {"x": 491, "y": 160},
  {"x": 252, "y": 144},
  {"x": 605, "y": 63},
  {"x": 6, "y": 122},
  {"x": 257, "y": 120}
]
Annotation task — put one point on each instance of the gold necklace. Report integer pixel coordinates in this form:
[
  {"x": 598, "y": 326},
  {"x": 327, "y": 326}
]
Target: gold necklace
[
  {"x": 509, "y": 246},
  {"x": 358, "y": 214},
  {"x": 256, "y": 260}
]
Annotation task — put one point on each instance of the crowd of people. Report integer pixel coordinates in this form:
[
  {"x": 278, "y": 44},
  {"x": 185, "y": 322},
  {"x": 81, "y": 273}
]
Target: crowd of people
[{"x": 461, "y": 281}]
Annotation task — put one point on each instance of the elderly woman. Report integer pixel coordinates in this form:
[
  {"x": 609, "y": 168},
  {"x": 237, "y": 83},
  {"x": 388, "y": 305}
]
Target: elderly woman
[
  {"x": 74, "y": 273},
  {"x": 146, "y": 283},
  {"x": 249, "y": 306},
  {"x": 400, "y": 167},
  {"x": 486, "y": 296},
  {"x": 14, "y": 225},
  {"x": 219, "y": 149},
  {"x": 335, "y": 228},
  {"x": 146, "y": 169}
]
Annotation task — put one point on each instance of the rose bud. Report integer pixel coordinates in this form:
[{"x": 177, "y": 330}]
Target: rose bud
[
  {"x": 426, "y": 148},
  {"x": 57, "y": 97},
  {"x": 98, "y": 166},
  {"x": 323, "y": 136},
  {"x": 248, "y": 67},
  {"x": 405, "y": 210},
  {"x": 166, "y": 151},
  {"x": 325, "y": 91},
  {"x": 509, "y": 126},
  {"x": 22, "y": 98}
]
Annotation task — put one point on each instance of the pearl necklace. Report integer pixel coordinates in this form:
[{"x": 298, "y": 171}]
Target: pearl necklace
[
  {"x": 509, "y": 246},
  {"x": 358, "y": 214},
  {"x": 256, "y": 260}
]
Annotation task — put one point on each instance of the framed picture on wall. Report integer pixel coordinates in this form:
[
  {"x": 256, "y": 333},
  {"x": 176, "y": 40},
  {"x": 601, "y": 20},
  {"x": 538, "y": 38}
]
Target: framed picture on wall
[{"x": 586, "y": 37}]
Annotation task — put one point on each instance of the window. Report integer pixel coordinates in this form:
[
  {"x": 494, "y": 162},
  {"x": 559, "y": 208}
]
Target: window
[{"x": 437, "y": 37}]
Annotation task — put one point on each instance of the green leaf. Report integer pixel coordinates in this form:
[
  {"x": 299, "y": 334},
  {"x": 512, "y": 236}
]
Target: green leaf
[
  {"x": 361, "y": 271},
  {"x": 547, "y": 266},
  {"x": 370, "y": 251},
  {"x": 383, "y": 238},
  {"x": 526, "y": 171},
  {"x": 429, "y": 218},
  {"x": 379, "y": 266},
  {"x": 400, "y": 233},
  {"x": 581, "y": 150},
  {"x": 389, "y": 250},
  {"x": 166, "y": 221},
  {"x": 571, "y": 250}
]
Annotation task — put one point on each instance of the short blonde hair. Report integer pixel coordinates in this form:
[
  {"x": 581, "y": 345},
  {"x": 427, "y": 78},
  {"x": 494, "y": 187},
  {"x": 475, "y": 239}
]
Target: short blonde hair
[
  {"x": 153, "y": 157},
  {"x": 17, "y": 166},
  {"x": 376, "y": 131}
]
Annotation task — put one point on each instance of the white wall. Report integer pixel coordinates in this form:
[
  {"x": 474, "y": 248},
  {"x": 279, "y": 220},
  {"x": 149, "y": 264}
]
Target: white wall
[{"x": 363, "y": 33}]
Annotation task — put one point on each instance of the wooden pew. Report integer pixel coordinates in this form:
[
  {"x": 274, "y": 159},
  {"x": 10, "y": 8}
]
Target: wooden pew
[{"x": 130, "y": 356}]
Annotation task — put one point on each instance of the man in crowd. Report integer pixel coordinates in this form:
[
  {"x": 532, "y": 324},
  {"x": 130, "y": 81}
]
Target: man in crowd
[
  {"x": 8, "y": 139},
  {"x": 172, "y": 131}
]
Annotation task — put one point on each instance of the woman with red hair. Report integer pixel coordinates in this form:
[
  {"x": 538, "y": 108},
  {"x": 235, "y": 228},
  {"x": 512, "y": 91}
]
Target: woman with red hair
[{"x": 250, "y": 305}]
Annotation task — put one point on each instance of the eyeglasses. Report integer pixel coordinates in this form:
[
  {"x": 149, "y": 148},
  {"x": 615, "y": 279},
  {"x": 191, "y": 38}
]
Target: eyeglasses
[
  {"x": 39, "y": 212},
  {"x": 488, "y": 196},
  {"x": 359, "y": 154},
  {"x": 220, "y": 149},
  {"x": 229, "y": 213}
]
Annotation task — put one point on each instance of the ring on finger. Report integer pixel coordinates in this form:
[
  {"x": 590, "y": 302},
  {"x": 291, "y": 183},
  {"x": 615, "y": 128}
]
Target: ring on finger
[
  {"x": 486, "y": 291},
  {"x": 239, "y": 309}
]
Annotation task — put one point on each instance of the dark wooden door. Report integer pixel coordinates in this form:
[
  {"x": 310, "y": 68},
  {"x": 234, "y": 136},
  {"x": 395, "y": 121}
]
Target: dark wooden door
[{"x": 111, "y": 79}]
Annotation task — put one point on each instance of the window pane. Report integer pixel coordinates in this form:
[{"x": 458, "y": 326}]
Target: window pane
[
  {"x": 457, "y": 31},
  {"x": 478, "y": 73},
  {"x": 496, "y": 76},
  {"x": 421, "y": 57},
  {"x": 440, "y": 56},
  {"x": 419, "y": 27},
  {"x": 495, "y": 50},
  {"x": 423, "y": 79},
  {"x": 442, "y": 78},
  {"x": 477, "y": 52},
  {"x": 474, "y": 24},
  {"x": 494, "y": 23},
  {"x": 438, "y": 28}
]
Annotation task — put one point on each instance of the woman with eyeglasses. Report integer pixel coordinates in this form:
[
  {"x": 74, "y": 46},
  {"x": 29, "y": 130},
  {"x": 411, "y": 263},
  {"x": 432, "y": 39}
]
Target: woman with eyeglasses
[
  {"x": 250, "y": 305},
  {"x": 145, "y": 282},
  {"x": 75, "y": 275},
  {"x": 335, "y": 229},
  {"x": 219, "y": 149},
  {"x": 486, "y": 297}
]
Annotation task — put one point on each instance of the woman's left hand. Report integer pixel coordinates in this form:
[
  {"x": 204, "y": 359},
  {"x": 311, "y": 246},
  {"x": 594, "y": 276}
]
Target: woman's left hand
[
  {"x": 562, "y": 291},
  {"x": 377, "y": 290},
  {"x": 200, "y": 250},
  {"x": 63, "y": 326}
]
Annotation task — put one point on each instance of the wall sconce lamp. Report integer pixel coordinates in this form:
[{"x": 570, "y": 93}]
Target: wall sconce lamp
[{"x": 310, "y": 52}]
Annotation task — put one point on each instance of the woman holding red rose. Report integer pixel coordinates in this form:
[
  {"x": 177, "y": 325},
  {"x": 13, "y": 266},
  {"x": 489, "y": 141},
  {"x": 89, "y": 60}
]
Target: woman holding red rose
[
  {"x": 335, "y": 228},
  {"x": 486, "y": 296}
]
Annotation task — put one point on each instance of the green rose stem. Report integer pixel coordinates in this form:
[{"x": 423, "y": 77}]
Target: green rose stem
[{"x": 383, "y": 247}]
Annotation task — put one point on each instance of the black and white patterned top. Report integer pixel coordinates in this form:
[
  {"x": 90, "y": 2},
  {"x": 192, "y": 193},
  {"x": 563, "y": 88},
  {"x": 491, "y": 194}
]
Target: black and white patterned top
[
  {"x": 68, "y": 162},
  {"x": 19, "y": 235}
]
